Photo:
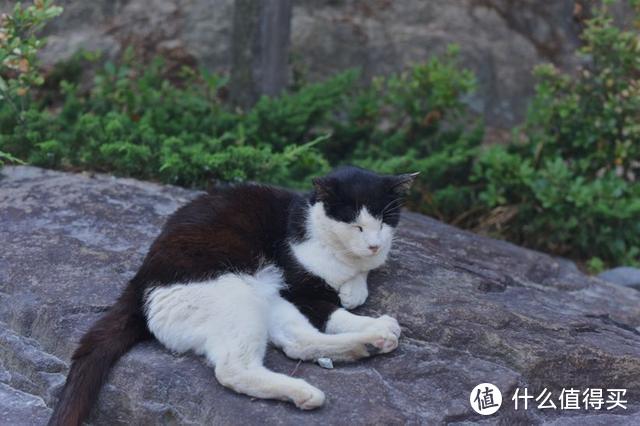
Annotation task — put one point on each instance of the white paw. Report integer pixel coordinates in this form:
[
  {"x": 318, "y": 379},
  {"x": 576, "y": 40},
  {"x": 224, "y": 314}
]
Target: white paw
[
  {"x": 381, "y": 343},
  {"x": 352, "y": 296},
  {"x": 309, "y": 398},
  {"x": 390, "y": 323},
  {"x": 386, "y": 331}
]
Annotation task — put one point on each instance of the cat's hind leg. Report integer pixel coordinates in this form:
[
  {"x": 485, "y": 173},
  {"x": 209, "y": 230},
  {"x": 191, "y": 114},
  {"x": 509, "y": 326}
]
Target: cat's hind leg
[
  {"x": 226, "y": 321},
  {"x": 290, "y": 330},
  {"x": 257, "y": 381}
]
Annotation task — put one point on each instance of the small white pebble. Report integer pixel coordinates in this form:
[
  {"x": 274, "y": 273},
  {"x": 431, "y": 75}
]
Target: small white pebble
[{"x": 325, "y": 363}]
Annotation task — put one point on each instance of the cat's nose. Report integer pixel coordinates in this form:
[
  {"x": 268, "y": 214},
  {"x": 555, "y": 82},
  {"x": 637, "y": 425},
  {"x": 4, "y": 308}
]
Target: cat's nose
[{"x": 374, "y": 249}]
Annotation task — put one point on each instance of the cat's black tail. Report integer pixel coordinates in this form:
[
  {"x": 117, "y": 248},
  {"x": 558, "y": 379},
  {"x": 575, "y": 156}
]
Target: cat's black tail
[{"x": 110, "y": 337}]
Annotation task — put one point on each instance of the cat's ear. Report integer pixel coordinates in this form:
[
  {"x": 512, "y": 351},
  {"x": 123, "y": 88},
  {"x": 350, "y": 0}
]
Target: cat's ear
[
  {"x": 402, "y": 183},
  {"x": 325, "y": 188}
]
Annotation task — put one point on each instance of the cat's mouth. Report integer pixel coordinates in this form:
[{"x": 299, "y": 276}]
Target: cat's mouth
[{"x": 368, "y": 253}]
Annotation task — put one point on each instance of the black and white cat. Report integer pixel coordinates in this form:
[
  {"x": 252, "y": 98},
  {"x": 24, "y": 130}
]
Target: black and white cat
[{"x": 246, "y": 265}]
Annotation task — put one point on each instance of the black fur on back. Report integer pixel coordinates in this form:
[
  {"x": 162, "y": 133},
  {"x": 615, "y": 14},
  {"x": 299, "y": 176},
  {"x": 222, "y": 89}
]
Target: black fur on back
[{"x": 232, "y": 228}]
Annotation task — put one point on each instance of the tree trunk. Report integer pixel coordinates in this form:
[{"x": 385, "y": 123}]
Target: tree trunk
[{"x": 260, "y": 49}]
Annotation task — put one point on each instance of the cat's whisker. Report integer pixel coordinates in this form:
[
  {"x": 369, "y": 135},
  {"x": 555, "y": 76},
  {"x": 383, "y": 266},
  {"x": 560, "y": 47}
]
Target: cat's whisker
[
  {"x": 394, "y": 210},
  {"x": 399, "y": 199}
]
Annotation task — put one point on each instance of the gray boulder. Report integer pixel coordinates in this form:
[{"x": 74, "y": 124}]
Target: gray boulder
[
  {"x": 623, "y": 275},
  {"x": 472, "y": 310}
]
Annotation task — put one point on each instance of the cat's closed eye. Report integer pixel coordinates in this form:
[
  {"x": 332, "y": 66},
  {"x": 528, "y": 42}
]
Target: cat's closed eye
[{"x": 359, "y": 227}]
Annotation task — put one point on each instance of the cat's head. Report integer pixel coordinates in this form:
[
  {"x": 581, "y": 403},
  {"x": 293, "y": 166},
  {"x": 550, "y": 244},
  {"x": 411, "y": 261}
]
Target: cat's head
[{"x": 360, "y": 209}]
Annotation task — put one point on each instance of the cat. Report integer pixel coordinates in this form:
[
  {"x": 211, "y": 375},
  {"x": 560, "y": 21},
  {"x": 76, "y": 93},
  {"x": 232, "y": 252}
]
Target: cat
[{"x": 249, "y": 264}]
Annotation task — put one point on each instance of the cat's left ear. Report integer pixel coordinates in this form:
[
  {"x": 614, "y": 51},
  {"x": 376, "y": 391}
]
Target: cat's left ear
[
  {"x": 402, "y": 183},
  {"x": 324, "y": 187}
]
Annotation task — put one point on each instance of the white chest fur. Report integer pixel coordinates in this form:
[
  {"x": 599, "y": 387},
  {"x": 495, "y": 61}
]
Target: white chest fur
[{"x": 321, "y": 260}]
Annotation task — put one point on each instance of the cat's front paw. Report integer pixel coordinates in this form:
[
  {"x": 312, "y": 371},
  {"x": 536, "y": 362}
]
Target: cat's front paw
[
  {"x": 388, "y": 331},
  {"x": 389, "y": 323},
  {"x": 381, "y": 342},
  {"x": 380, "y": 336},
  {"x": 353, "y": 295}
]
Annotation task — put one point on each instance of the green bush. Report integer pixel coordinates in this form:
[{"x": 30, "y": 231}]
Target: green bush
[
  {"x": 569, "y": 183},
  {"x": 136, "y": 122},
  {"x": 18, "y": 47}
]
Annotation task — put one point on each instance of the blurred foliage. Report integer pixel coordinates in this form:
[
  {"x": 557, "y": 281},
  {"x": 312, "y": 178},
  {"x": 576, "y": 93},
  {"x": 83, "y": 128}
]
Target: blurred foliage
[
  {"x": 134, "y": 121},
  {"x": 567, "y": 183},
  {"x": 18, "y": 47}
]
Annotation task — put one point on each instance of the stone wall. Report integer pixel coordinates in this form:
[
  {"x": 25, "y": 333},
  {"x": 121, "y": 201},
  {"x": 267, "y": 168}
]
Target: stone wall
[{"x": 501, "y": 40}]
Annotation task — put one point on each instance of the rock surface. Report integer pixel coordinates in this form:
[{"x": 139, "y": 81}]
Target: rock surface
[
  {"x": 501, "y": 40},
  {"x": 472, "y": 310},
  {"x": 623, "y": 275}
]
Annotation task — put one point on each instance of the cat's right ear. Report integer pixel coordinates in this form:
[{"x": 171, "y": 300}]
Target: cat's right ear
[
  {"x": 402, "y": 183},
  {"x": 323, "y": 187}
]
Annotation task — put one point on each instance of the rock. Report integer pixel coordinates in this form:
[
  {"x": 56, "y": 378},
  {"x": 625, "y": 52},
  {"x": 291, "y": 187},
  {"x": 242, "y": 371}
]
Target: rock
[
  {"x": 325, "y": 362},
  {"x": 19, "y": 408},
  {"x": 472, "y": 309},
  {"x": 623, "y": 275},
  {"x": 500, "y": 40}
]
